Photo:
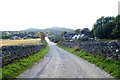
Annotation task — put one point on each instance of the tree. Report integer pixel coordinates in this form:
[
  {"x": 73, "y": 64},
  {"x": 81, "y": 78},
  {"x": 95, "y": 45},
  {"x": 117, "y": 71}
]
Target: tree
[
  {"x": 77, "y": 31},
  {"x": 107, "y": 30},
  {"x": 6, "y": 35},
  {"x": 65, "y": 32},
  {"x": 116, "y": 30},
  {"x": 85, "y": 31},
  {"x": 40, "y": 35},
  {"x": 37, "y": 34},
  {"x": 103, "y": 27}
]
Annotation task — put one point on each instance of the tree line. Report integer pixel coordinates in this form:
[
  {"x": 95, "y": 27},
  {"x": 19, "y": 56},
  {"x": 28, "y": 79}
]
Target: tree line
[
  {"x": 104, "y": 28},
  {"x": 21, "y": 34}
]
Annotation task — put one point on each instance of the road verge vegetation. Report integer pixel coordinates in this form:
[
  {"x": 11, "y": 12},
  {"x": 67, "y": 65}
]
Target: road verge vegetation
[
  {"x": 109, "y": 65},
  {"x": 13, "y": 70}
]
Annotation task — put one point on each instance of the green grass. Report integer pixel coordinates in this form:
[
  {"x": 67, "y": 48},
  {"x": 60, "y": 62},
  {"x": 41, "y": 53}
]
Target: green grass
[
  {"x": 13, "y": 70},
  {"x": 0, "y": 73},
  {"x": 109, "y": 65}
]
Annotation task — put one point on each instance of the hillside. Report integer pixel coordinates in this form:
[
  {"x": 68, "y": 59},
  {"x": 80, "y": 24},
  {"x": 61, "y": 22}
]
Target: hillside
[
  {"x": 53, "y": 29},
  {"x": 58, "y": 29}
]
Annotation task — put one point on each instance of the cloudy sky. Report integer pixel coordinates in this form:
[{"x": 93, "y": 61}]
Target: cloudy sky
[{"x": 41, "y": 14}]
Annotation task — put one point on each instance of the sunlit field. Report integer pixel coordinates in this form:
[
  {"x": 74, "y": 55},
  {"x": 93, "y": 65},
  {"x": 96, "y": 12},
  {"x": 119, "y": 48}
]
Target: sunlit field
[{"x": 20, "y": 42}]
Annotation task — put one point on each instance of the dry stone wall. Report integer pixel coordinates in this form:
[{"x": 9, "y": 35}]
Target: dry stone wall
[
  {"x": 109, "y": 49},
  {"x": 16, "y": 52}
]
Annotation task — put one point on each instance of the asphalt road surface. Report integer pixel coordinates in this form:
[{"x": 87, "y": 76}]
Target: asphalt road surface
[{"x": 59, "y": 63}]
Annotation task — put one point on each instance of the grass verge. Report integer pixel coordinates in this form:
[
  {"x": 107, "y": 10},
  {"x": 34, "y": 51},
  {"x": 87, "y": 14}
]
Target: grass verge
[
  {"x": 13, "y": 70},
  {"x": 107, "y": 64}
]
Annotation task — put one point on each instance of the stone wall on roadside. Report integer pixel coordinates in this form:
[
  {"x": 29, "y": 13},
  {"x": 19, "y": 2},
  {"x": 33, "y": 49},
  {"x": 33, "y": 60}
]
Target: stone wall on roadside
[
  {"x": 16, "y": 52},
  {"x": 109, "y": 49}
]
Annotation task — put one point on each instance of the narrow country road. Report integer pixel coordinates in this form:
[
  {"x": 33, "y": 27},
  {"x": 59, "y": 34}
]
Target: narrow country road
[{"x": 59, "y": 63}]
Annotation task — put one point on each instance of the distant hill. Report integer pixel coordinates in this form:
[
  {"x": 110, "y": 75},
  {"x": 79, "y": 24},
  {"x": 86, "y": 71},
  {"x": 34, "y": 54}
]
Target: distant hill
[
  {"x": 58, "y": 29},
  {"x": 53, "y": 29}
]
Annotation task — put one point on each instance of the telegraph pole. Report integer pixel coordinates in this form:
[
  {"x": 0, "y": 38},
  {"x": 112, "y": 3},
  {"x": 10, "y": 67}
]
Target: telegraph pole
[{"x": 119, "y": 8}]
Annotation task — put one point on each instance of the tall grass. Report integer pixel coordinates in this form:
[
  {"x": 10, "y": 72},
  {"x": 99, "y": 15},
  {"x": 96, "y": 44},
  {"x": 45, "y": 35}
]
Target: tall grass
[
  {"x": 20, "y": 42},
  {"x": 109, "y": 65},
  {"x": 14, "y": 69}
]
